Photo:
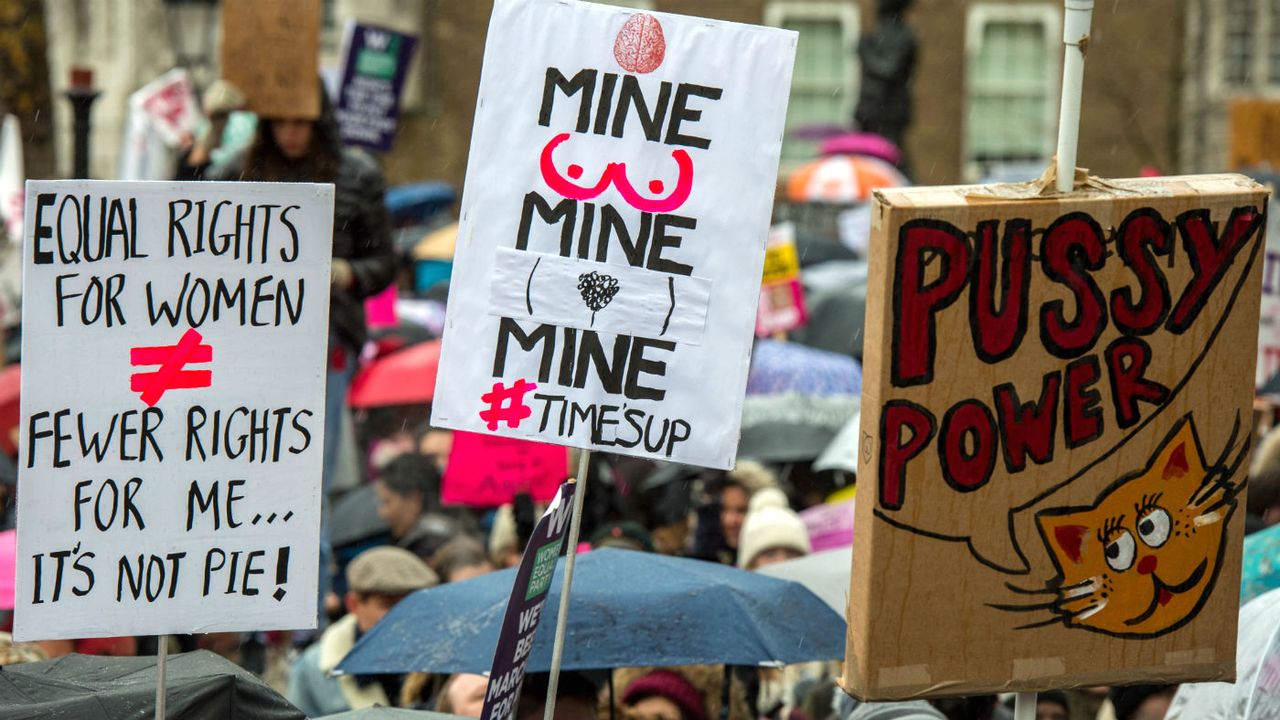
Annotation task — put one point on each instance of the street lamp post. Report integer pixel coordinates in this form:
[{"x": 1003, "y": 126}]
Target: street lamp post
[{"x": 81, "y": 94}]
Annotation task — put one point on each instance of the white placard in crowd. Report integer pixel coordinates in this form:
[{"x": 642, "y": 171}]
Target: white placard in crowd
[
  {"x": 1269, "y": 318},
  {"x": 618, "y": 197},
  {"x": 173, "y": 375}
]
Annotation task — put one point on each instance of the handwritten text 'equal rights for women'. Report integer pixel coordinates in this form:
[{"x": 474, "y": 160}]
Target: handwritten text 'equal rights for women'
[{"x": 78, "y": 230}]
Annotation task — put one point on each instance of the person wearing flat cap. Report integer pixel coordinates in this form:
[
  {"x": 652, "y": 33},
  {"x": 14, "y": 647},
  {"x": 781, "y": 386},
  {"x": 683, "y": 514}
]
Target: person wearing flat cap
[{"x": 377, "y": 579}]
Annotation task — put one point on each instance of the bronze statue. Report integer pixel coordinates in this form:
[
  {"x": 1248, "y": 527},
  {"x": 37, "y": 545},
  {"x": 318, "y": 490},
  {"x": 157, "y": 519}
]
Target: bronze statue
[{"x": 888, "y": 57}]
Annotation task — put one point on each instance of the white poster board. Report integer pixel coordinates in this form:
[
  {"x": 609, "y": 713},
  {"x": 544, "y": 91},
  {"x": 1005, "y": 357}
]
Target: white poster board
[
  {"x": 618, "y": 197},
  {"x": 1269, "y": 318},
  {"x": 173, "y": 373}
]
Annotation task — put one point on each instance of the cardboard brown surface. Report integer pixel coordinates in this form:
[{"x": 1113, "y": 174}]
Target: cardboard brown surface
[
  {"x": 270, "y": 51},
  {"x": 965, "y": 582},
  {"x": 1254, "y": 134}
]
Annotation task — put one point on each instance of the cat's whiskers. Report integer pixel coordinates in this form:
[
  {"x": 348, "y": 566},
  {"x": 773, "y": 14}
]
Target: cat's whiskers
[
  {"x": 1091, "y": 611},
  {"x": 1086, "y": 588},
  {"x": 1208, "y": 518}
]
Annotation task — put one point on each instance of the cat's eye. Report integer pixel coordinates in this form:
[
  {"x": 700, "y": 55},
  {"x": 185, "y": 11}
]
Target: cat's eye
[
  {"x": 1153, "y": 527},
  {"x": 1120, "y": 551}
]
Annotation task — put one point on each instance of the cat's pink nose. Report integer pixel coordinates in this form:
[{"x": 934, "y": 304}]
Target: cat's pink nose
[{"x": 1147, "y": 565}]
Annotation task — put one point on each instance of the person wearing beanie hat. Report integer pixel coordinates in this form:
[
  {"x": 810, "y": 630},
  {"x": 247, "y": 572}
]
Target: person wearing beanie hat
[
  {"x": 768, "y": 497},
  {"x": 772, "y": 533},
  {"x": 663, "y": 695},
  {"x": 377, "y": 579}
]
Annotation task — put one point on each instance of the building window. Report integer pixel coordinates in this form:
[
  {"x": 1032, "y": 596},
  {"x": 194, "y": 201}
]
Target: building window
[
  {"x": 825, "y": 79},
  {"x": 1013, "y": 61},
  {"x": 1250, "y": 42}
]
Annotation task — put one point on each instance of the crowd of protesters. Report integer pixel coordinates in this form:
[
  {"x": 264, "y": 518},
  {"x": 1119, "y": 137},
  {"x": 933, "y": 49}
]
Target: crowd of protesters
[{"x": 746, "y": 517}]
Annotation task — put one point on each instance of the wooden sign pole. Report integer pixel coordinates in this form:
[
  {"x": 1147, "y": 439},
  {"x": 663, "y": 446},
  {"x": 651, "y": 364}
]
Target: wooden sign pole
[
  {"x": 562, "y": 613},
  {"x": 1075, "y": 34}
]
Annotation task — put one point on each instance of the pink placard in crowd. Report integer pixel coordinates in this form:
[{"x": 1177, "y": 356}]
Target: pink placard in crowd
[
  {"x": 782, "y": 308},
  {"x": 380, "y": 309},
  {"x": 487, "y": 470},
  {"x": 829, "y": 526}
]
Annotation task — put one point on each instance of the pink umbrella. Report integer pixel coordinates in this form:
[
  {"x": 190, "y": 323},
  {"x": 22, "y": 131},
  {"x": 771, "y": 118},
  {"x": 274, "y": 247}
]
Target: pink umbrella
[
  {"x": 8, "y": 567},
  {"x": 856, "y": 143}
]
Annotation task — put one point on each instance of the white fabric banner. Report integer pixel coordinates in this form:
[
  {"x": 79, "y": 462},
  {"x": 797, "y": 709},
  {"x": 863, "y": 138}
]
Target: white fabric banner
[
  {"x": 640, "y": 151},
  {"x": 173, "y": 375}
]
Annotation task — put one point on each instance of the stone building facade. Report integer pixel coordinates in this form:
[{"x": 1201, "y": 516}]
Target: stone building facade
[{"x": 985, "y": 90}]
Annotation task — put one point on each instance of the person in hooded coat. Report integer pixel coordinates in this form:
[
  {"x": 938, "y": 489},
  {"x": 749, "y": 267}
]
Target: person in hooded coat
[{"x": 308, "y": 150}]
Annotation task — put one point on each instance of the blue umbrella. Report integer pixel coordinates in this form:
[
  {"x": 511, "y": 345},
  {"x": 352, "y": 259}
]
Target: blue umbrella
[
  {"x": 416, "y": 203},
  {"x": 628, "y": 609},
  {"x": 782, "y": 367}
]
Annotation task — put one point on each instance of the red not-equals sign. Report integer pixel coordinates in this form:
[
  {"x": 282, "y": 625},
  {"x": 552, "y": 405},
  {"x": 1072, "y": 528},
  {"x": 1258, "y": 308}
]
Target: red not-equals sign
[{"x": 171, "y": 375}]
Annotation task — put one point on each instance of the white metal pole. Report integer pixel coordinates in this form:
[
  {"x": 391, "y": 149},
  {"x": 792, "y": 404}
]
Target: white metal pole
[
  {"x": 162, "y": 655},
  {"x": 562, "y": 613},
  {"x": 1075, "y": 35},
  {"x": 1024, "y": 706}
]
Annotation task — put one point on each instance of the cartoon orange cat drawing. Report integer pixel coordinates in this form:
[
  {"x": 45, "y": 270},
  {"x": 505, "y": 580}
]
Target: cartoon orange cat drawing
[{"x": 1142, "y": 560}]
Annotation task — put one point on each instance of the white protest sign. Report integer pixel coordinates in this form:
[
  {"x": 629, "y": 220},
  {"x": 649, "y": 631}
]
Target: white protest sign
[
  {"x": 1269, "y": 318},
  {"x": 618, "y": 197},
  {"x": 170, "y": 103},
  {"x": 173, "y": 367}
]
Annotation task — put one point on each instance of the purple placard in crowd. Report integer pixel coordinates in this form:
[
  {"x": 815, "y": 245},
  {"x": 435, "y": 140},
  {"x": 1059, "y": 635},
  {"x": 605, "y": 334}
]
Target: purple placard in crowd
[
  {"x": 373, "y": 69},
  {"x": 524, "y": 608}
]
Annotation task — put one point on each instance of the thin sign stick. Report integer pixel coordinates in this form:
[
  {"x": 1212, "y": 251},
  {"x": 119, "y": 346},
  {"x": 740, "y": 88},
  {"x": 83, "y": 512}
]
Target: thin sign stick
[
  {"x": 162, "y": 655},
  {"x": 1075, "y": 35},
  {"x": 562, "y": 613}
]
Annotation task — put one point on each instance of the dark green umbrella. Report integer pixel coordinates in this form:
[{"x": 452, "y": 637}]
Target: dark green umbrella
[{"x": 199, "y": 686}]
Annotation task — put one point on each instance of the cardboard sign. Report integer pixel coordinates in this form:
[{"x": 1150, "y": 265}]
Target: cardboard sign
[
  {"x": 270, "y": 51},
  {"x": 174, "y": 345},
  {"x": 782, "y": 306},
  {"x": 375, "y": 62},
  {"x": 1056, "y": 420},
  {"x": 488, "y": 470},
  {"x": 613, "y": 229},
  {"x": 1254, "y": 133},
  {"x": 524, "y": 607}
]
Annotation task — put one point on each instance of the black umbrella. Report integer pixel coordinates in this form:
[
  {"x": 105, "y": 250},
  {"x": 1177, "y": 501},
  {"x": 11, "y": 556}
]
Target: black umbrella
[
  {"x": 200, "y": 686},
  {"x": 355, "y": 517},
  {"x": 836, "y": 320},
  {"x": 815, "y": 250}
]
